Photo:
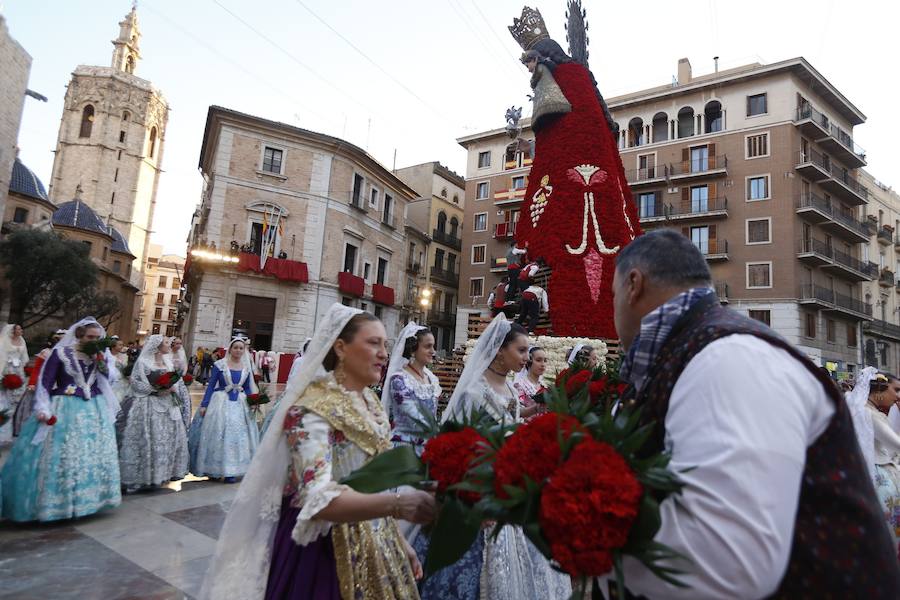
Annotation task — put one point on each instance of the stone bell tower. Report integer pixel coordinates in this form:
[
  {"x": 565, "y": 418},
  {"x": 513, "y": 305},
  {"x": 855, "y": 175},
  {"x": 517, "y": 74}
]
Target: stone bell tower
[{"x": 111, "y": 139}]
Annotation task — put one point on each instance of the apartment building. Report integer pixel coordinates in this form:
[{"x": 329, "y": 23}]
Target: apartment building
[
  {"x": 757, "y": 165},
  {"x": 290, "y": 222},
  {"x": 439, "y": 211},
  {"x": 161, "y": 298}
]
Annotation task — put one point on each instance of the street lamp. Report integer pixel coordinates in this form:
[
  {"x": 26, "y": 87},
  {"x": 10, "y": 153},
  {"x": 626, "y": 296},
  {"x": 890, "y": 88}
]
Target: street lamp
[{"x": 425, "y": 302}]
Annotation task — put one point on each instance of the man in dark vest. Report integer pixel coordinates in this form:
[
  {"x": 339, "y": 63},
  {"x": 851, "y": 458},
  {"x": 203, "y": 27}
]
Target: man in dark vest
[{"x": 778, "y": 502}]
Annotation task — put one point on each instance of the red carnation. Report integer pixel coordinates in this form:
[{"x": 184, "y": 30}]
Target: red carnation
[
  {"x": 449, "y": 455},
  {"x": 252, "y": 399},
  {"x": 577, "y": 381},
  {"x": 51, "y": 421},
  {"x": 538, "y": 442},
  {"x": 187, "y": 379},
  {"x": 11, "y": 381},
  {"x": 588, "y": 507}
]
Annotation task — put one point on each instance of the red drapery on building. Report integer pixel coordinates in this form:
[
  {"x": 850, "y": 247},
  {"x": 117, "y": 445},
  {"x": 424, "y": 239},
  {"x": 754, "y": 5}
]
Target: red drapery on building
[
  {"x": 351, "y": 284},
  {"x": 383, "y": 294},
  {"x": 280, "y": 268}
]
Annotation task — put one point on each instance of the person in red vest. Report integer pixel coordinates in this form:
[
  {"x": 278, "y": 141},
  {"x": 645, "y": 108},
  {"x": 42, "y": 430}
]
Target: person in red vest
[{"x": 497, "y": 298}]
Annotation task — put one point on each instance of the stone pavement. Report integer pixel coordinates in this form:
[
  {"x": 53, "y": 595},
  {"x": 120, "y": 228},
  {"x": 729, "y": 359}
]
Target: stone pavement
[{"x": 155, "y": 546}]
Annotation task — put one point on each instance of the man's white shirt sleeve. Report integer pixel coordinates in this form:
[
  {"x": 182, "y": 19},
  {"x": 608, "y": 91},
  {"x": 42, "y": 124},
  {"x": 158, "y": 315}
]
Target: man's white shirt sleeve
[{"x": 741, "y": 416}]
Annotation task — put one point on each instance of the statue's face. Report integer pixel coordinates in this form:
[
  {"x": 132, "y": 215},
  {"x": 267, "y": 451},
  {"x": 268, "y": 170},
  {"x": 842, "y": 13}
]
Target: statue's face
[{"x": 531, "y": 63}]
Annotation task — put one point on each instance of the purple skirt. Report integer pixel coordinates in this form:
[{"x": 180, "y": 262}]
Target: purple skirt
[{"x": 301, "y": 572}]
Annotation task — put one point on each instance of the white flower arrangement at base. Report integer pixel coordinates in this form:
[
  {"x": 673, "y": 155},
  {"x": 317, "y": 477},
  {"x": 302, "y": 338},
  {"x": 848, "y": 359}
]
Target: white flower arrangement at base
[{"x": 556, "y": 349}]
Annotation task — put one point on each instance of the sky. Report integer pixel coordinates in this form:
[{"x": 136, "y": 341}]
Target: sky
[{"x": 406, "y": 78}]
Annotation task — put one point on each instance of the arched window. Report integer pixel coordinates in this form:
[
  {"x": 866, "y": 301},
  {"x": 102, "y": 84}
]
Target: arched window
[
  {"x": 153, "y": 142},
  {"x": 129, "y": 64},
  {"x": 713, "y": 113},
  {"x": 456, "y": 199},
  {"x": 444, "y": 193},
  {"x": 87, "y": 121},
  {"x": 617, "y": 132},
  {"x": 126, "y": 115},
  {"x": 454, "y": 226},
  {"x": 442, "y": 222},
  {"x": 686, "y": 122},
  {"x": 660, "y": 127},
  {"x": 636, "y": 132}
]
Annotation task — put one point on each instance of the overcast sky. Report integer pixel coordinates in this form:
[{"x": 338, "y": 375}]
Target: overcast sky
[{"x": 413, "y": 75}]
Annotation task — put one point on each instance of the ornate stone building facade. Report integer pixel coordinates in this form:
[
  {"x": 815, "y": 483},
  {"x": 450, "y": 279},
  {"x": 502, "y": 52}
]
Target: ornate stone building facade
[
  {"x": 291, "y": 221},
  {"x": 16, "y": 64},
  {"x": 111, "y": 140}
]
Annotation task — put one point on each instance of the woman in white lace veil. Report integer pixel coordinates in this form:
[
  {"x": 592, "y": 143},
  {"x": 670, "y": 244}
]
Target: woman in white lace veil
[
  {"x": 13, "y": 359},
  {"x": 71, "y": 432},
  {"x": 154, "y": 441},
  {"x": 228, "y": 435},
  {"x": 862, "y": 420},
  {"x": 240, "y": 568},
  {"x": 508, "y": 566}
]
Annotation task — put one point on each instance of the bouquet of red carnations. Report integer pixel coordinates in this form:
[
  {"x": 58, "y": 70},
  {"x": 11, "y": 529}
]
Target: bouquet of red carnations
[
  {"x": 574, "y": 479},
  {"x": 11, "y": 381},
  {"x": 187, "y": 378},
  {"x": 165, "y": 380},
  {"x": 258, "y": 399}
]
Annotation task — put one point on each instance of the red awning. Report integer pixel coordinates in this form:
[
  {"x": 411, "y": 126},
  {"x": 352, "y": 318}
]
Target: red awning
[
  {"x": 351, "y": 284},
  {"x": 383, "y": 294},
  {"x": 280, "y": 268}
]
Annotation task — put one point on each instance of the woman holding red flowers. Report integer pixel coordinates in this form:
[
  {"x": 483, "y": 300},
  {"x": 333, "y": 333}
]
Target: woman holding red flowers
[
  {"x": 294, "y": 532},
  {"x": 508, "y": 566},
  {"x": 154, "y": 441},
  {"x": 64, "y": 463},
  {"x": 13, "y": 358},
  {"x": 180, "y": 362},
  {"x": 228, "y": 435},
  {"x": 529, "y": 383}
]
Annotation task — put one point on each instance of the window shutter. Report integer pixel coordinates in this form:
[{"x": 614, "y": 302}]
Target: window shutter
[
  {"x": 711, "y": 193},
  {"x": 712, "y": 156},
  {"x": 685, "y": 160},
  {"x": 712, "y": 233},
  {"x": 685, "y": 199},
  {"x": 686, "y": 232}
]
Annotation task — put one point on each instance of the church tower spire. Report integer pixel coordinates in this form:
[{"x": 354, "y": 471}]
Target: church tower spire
[{"x": 125, "y": 48}]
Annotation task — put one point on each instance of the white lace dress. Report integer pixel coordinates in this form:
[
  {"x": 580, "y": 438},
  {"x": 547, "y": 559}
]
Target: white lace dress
[{"x": 154, "y": 441}]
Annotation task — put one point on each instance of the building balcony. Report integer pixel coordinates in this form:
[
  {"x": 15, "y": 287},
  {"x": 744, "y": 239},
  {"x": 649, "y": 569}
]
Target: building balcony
[
  {"x": 722, "y": 292},
  {"x": 886, "y": 278},
  {"x": 811, "y": 122},
  {"x": 882, "y": 329},
  {"x": 817, "y": 210},
  {"x": 811, "y": 164},
  {"x": 498, "y": 265},
  {"x": 652, "y": 213},
  {"x": 841, "y": 184},
  {"x": 851, "y": 268},
  {"x": 413, "y": 268},
  {"x": 647, "y": 176},
  {"x": 511, "y": 196},
  {"x": 349, "y": 283},
  {"x": 715, "y": 250},
  {"x": 444, "y": 276},
  {"x": 690, "y": 169},
  {"x": 815, "y": 253},
  {"x": 705, "y": 209},
  {"x": 885, "y": 236},
  {"x": 447, "y": 239},
  {"x": 816, "y": 295},
  {"x": 381, "y": 294},
  {"x": 842, "y": 147},
  {"x": 505, "y": 231},
  {"x": 851, "y": 307}
]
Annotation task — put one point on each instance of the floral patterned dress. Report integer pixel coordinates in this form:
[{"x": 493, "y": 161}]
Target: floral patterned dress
[
  {"x": 9, "y": 399},
  {"x": 887, "y": 471},
  {"x": 525, "y": 391},
  {"x": 331, "y": 432},
  {"x": 410, "y": 397}
]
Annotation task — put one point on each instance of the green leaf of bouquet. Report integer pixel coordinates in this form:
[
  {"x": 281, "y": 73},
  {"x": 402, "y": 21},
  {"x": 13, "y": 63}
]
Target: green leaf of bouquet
[
  {"x": 648, "y": 520},
  {"x": 452, "y": 535},
  {"x": 396, "y": 467},
  {"x": 532, "y": 531}
]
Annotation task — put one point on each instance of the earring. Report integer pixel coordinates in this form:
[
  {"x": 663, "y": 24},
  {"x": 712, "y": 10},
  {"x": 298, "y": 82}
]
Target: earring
[{"x": 339, "y": 375}]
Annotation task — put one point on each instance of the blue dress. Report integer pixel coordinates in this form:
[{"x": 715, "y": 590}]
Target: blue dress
[
  {"x": 222, "y": 442},
  {"x": 74, "y": 470}
]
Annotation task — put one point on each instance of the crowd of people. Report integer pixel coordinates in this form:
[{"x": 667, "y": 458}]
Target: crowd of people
[{"x": 782, "y": 473}]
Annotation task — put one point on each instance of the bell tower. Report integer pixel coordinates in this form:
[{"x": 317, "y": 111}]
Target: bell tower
[
  {"x": 111, "y": 141},
  {"x": 126, "y": 53}
]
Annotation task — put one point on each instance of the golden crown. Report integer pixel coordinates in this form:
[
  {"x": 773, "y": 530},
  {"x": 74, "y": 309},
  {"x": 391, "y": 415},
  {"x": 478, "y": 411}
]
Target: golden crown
[{"x": 529, "y": 29}]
